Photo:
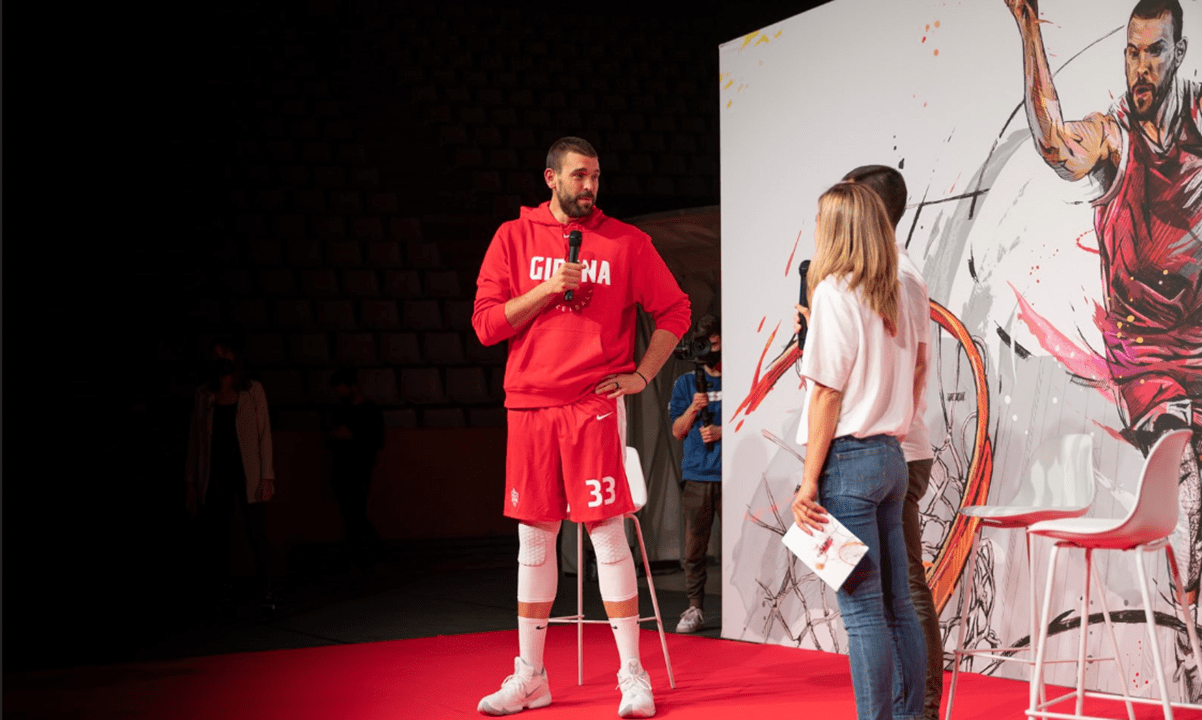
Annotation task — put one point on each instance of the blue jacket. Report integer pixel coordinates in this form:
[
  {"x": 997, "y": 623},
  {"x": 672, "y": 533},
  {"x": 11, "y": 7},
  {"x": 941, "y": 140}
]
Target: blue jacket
[{"x": 696, "y": 463}]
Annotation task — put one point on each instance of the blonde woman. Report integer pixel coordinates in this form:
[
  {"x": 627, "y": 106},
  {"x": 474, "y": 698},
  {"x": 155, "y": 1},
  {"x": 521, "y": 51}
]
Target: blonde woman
[{"x": 859, "y": 364}]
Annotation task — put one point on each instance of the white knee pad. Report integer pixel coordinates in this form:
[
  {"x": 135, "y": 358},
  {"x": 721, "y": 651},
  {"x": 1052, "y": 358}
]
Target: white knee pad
[
  {"x": 534, "y": 541},
  {"x": 538, "y": 569},
  {"x": 615, "y": 564}
]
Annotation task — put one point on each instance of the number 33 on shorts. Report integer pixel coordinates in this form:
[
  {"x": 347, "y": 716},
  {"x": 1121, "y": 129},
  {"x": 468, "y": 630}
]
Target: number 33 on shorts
[{"x": 594, "y": 489}]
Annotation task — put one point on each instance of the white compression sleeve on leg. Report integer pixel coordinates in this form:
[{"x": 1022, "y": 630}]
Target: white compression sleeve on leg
[
  {"x": 538, "y": 566},
  {"x": 538, "y": 576},
  {"x": 615, "y": 564},
  {"x": 615, "y": 575}
]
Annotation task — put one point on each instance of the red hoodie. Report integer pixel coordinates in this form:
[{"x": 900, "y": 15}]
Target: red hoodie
[{"x": 561, "y": 355}]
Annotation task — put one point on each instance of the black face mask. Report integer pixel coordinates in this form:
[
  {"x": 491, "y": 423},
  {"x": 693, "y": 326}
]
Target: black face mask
[{"x": 221, "y": 366}]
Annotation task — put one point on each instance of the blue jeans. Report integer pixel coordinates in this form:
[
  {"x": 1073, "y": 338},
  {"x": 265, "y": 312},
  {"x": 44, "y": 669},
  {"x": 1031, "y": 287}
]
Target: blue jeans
[{"x": 864, "y": 485}]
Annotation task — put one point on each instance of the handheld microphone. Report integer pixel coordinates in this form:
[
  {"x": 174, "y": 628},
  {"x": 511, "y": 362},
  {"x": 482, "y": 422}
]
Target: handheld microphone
[
  {"x": 805, "y": 302},
  {"x": 574, "y": 240}
]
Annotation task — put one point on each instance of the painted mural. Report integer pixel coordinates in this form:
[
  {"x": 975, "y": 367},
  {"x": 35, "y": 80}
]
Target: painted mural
[{"x": 1053, "y": 157}]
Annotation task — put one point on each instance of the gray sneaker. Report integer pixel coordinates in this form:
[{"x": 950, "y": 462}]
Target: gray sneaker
[
  {"x": 635, "y": 685},
  {"x": 691, "y": 620},
  {"x": 523, "y": 689}
]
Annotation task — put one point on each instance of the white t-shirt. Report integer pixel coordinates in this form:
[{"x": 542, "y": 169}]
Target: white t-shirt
[
  {"x": 916, "y": 445},
  {"x": 848, "y": 349}
]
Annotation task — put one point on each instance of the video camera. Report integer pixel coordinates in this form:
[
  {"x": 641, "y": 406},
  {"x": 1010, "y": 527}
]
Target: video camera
[{"x": 695, "y": 351}]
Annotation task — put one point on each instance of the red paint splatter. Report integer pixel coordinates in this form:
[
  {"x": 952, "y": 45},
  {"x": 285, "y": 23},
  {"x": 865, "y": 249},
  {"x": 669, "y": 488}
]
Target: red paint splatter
[
  {"x": 763, "y": 353},
  {"x": 789, "y": 266},
  {"x": 760, "y": 329},
  {"x": 740, "y": 425},
  {"x": 924, "y": 38},
  {"x": 761, "y": 387},
  {"x": 936, "y": 52},
  {"x": 1080, "y": 362},
  {"x": 1086, "y": 249}
]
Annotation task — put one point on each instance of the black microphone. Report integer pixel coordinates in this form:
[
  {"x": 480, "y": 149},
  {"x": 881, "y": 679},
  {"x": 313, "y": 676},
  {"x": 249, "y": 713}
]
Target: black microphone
[
  {"x": 574, "y": 240},
  {"x": 805, "y": 302}
]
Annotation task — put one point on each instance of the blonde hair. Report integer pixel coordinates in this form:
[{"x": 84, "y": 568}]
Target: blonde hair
[{"x": 855, "y": 242}]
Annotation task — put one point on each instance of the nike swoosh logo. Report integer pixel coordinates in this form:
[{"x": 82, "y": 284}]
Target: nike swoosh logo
[{"x": 602, "y": 417}]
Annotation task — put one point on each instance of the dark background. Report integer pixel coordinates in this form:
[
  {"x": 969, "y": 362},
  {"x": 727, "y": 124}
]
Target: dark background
[{"x": 321, "y": 178}]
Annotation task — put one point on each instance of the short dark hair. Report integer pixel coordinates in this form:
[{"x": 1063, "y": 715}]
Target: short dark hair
[
  {"x": 887, "y": 183},
  {"x": 234, "y": 344},
  {"x": 344, "y": 376},
  {"x": 1152, "y": 9},
  {"x": 565, "y": 145},
  {"x": 709, "y": 325}
]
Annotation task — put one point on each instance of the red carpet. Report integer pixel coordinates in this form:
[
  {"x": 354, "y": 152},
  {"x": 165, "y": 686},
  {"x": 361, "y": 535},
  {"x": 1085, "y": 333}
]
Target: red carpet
[{"x": 444, "y": 677}]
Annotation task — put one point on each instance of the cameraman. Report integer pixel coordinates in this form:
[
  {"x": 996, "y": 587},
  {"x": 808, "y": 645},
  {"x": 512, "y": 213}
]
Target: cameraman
[{"x": 696, "y": 415}]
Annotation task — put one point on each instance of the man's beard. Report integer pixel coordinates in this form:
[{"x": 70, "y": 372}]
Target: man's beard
[
  {"x": 1157, "y": 97},
  {"x": 567, "y": 203}
]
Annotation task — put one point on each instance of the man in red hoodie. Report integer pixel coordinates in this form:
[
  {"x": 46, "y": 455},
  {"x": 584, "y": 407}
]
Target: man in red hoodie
[{"x": 571, "y": 361}]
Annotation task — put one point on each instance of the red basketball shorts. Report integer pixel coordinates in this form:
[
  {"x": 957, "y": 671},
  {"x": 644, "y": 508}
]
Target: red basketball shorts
[{"x": 567, "y": 462}]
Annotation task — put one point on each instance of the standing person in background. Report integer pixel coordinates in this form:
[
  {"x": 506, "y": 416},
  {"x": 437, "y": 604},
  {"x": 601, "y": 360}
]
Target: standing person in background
[
  {"x": 230, "y": 477},
  {"x": 916, "y": 445},
  {"x": 355, "y": 439},
  {"x": 701, "y": 467},
  {"x": 570, "y": 324},
  {"x": 859, "y": 361}
]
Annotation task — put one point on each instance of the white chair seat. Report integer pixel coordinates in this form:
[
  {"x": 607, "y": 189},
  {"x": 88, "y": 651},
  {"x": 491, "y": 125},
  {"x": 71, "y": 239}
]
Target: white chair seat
[
  {"x": 1014, "y": 516},
  {"x": 1104, "y": 533}
]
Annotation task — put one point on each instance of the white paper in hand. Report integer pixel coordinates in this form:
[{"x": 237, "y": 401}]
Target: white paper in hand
[{"x": 832, "y": 553}]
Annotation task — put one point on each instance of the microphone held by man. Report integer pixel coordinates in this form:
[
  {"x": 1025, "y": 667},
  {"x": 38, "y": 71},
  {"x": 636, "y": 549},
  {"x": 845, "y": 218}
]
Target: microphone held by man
[{"x": 574, "y": 241}]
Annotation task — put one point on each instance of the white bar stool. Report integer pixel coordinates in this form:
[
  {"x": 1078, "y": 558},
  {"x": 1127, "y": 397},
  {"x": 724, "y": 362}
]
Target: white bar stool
[
  {"x": 1060, "y": 484},
  {"x": 638, "y": 493},
  {"x": 1146, "y": 528}
]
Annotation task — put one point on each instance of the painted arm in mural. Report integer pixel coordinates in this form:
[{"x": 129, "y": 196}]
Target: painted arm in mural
[
  {"x": 1073, "y": 149},
  {"x": 825, "y": 405}
]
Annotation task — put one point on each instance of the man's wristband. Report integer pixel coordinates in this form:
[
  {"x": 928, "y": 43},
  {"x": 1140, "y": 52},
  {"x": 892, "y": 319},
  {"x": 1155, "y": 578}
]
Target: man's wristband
[{"x": 645, "y": 383}]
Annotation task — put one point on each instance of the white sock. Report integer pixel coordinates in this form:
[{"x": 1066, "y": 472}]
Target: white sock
[
  {"x": 532, "y": 638},
  {"x": 626, "y": 635}
]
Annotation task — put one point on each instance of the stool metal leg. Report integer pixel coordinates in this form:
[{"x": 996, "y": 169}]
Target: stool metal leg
[
  {"x": 1043, "y": 694},
  {"x": 1148, "y": 614},
  {"x": 580, "y": 604},
  {"x": 1084, "y": 632},
  {"x": 1041, "y": 647},
  {"x": 965, "y": 590},
  {"x": 1114, "y": 643},
  {"x": 663, "y": 641}
]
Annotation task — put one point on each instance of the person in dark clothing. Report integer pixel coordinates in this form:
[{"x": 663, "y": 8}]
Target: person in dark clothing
[
  {"x": 230, "y": 476},
  {"x": 356, "y": 436}
]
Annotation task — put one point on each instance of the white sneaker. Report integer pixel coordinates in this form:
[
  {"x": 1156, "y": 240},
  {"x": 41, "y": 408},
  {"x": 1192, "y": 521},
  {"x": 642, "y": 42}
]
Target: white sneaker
[
  {"x": 635, "y": 685},
  {"x": 691, "y": 620},
  {"x": 523, "y": 689}
]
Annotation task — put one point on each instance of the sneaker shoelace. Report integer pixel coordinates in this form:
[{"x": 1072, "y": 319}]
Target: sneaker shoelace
[{"x": 640, "y": 682}]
